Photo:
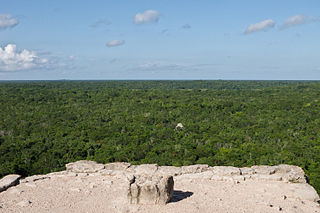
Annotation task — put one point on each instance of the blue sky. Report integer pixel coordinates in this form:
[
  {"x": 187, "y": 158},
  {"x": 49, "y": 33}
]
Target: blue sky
[{"x": 159, "y": 39}]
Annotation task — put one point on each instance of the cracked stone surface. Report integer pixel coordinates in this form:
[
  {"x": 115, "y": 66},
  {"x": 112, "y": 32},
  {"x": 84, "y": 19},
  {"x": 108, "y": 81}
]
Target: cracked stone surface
[{"x": 92, "y": 187}]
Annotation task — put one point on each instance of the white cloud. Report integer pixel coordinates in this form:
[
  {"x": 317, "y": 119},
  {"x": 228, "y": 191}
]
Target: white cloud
[
  {"x": 298, "y": 20},
  {"x": 13, "y": 60},
  {"x": 186, "y": 26},
  {"x": 294, "y": 20},
  {"x": 314, "y": 19},
  {"x": 149, "y": 16},
  {"x": 7, "y": 22},
  {"x": 261, "y": 26},
  {"x": 115, "y": 43}
]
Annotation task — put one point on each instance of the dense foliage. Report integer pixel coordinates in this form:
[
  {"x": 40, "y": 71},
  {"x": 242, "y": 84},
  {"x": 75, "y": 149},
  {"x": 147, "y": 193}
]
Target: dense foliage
[{"x": 44, "y": 125}]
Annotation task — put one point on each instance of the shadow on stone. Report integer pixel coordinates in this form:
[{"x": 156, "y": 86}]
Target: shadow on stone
[{"x": 180, "y": 195}]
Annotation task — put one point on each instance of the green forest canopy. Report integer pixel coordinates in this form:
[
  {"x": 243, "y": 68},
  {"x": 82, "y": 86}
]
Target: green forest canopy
[{"x": 46, "y": 124}]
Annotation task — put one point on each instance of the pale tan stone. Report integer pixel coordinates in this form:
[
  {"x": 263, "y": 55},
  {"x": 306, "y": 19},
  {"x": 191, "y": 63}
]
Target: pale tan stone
[
  {"x": 8, "y": 181},
  {"x": 84, "y": 166},
  {"x": 194, "y": 169},
  {"x": 148, "y": 189},
  {"x": 122, "y": 166}
]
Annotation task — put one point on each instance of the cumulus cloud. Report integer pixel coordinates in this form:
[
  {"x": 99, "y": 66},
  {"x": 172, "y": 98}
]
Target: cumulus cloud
[
  {"x": 314, "y": 19},
  {"x": 115, "y": 43},
  {"x": 13, "y": 60},
  {"x": 6, "y": 21},
  {"x": 298, "y": 20},
  {"x": 186, "y": 26},
  {"x": 261, "y": 26},
  {"x": 294, "y": 20},
  {"x": 149, "y": 16}
]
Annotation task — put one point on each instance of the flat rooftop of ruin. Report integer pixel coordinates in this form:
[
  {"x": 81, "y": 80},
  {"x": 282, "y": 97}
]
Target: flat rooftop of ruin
[{"x": 86, "y": 186}]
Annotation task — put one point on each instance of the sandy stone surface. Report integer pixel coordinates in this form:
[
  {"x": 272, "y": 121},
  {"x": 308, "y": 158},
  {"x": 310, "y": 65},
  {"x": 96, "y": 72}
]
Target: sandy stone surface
[{"x": 105, "y": 191}]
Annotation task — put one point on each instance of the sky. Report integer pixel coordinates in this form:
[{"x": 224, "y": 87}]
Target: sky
[{"x": 159, "y": 39}]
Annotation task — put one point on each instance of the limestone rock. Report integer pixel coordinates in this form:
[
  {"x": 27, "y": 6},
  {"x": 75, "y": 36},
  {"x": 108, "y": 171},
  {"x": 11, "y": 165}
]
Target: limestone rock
[
  {"x": 90, "y": 187},
  {"x": 305, "y": 192},
  {"x": 116, "y": 173},
  {"x": 146, "y": 169},
  {"x": 8, "y": 181},
  {"x": 226, "y": 171},
  {"x": 217, "y": 178},
  {"x": 287, "y": 173},
  {"x": 24, "y": 203},
  {"x": 293, "y": 174},
  {"x": 150, "y": 189},
  {"x": 264, "y": 170},
  {"x": 169, "y": 170},
  {"x": 122, "y": 166},
  {"x": 194, "y": 169},
  {"x": 264, "y": 177},
  {"x": 31, "y": 185},
  {"x": 59, "y": 174},
  {"x": 207, "y": 175},
  {"x": 246, "y": 171},
  {"x": 84, "y": 166},
  {"x": 238, "y": 178},
  {"x": 131, "y": 169},
  {"x": 16, "y": 191},
  {"x": 34, "y": 178}
]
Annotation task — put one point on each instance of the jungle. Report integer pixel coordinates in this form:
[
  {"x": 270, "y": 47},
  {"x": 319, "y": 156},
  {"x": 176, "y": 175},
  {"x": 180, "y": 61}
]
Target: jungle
[{"x": 46, "y": 124}]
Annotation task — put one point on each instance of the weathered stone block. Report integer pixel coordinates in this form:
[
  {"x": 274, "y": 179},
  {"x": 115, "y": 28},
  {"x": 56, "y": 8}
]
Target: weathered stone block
[
  {"x": 293, "y": 174},
  {"x": 121, "y": 166},
  {"x": 8, "y": 181},
  {"x": 264, "y": 170},
  {"x": 194, "y": 169},
  {"x": 84, "y": 166},
  {"x": 169, "y": 170},
  {"x": 34, "y": 178},
  {"x": 246, "y": 171},
  {"x": 146, "y": 169},
  {"x": 150, "y": 189},
  {"x": 305, "y": 192},
  {"x": 265, "y": 177}
]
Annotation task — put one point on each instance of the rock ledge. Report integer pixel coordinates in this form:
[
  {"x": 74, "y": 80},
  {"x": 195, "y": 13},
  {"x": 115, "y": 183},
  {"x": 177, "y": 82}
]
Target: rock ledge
[{"x": 87, "y": 186}]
